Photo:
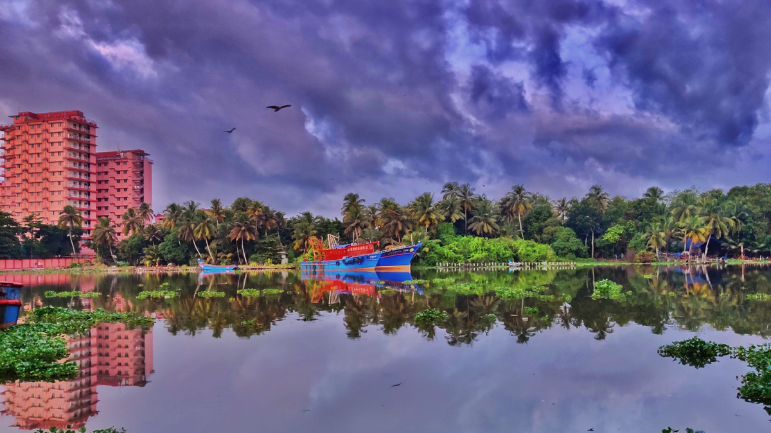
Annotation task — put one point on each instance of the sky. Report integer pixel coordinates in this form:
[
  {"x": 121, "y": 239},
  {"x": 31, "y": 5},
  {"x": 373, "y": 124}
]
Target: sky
[{"x": 395, "y": 98}]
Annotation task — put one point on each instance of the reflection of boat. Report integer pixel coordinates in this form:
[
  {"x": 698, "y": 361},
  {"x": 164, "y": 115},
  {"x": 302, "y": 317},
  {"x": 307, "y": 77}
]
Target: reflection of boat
[
  {"x": 357, "y": 283},
  {"x": 10, "y": 304},
  {"x": 216, "y": 268}
]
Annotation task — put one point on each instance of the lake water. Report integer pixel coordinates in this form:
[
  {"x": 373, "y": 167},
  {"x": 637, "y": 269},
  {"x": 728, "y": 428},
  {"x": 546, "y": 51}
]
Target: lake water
[{"x": 325, "y": 354}]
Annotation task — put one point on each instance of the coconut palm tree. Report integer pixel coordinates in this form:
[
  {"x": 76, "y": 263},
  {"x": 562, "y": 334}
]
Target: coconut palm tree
[
  {"x": 450, "y": 190},
  {"x": 483, "y": 221},
  {"x": 205, "y": 229},
  {"x": 425, "y": 212},
  {"x": 562, "y": 208},
  {"x": 304, "y": 230},
  {"x": 217, "y": 211},
  {"x": 738, "y": 213},
  {"x": 152, "y": 255},
  {"x": 450, "y": 209},
  {"x": 656, "y": 237},
  {"x": 152, "y": 234},
  {"x": 256, "y": 210},
  {"x": 105, "y": 234},
  {"x": 692, "y": 228},
  {"x": 685, "y": 206},
  {"x": 598, "y": 200},
  {"x": 397, "y": 223},
  {"x": 515, "y": 204},
  {"x": 132, "y": 222},
  {"x": 716, "y": 222},
  {"x": 384, "y": 208},
  {"x": 654, "y": 194},
  {"x": 244, "y": 229},
  {"x": 269, "y": 219},
  {"x": 351, "y": 201},
  {"x": 69, "y": 218},
  {"x": 171, "y": 215},
  {"x": 355, "y": 221},
  {"x": 466, "y": 197},
  {"x": 187, "y": 223},
  {"x": 145, "y": 213}
]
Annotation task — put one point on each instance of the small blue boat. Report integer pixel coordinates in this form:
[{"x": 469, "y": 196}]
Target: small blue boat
[
  {"x": 10, "y": 304},
  {"x": 216, "y": 268}
]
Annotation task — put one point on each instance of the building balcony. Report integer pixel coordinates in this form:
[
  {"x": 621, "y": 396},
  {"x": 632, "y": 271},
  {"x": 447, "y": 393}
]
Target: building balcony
[
  {"x": 75, "y": 158},
  {"x": 79, "y": 140},
  {"x": 79, "y": 188},
  {"x": 82, "y": 169},
  {"x": 79, "y": 131},
  {"x": 74, "y": 197}
]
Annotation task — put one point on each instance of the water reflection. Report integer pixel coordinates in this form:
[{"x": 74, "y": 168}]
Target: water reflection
[{"x": 659, "y": 299}]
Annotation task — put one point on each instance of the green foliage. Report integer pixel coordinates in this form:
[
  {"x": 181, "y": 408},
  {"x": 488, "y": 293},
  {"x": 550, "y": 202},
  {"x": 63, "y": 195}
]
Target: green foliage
[
  {"x": 415, "y": 281},
  {"x": 567, "y": 245},
  {"x": 249, "y": 293},
  {"x": 174, "y": 251},
  {"x": 443, "y": 280},
  {"x": 645, "y": 257},
  {"x": 531, "y": 311},
  {"x": 131, "y": 249},
  {"x": 430, "y": 316},
  {"x": 75, "y": 265},
  {"x": 509, "y": 293},
  {"x": 33, "y": 351},
  {"x": 80, "y": 430},
  {"x": 695, "y": 352},
  {"x": 211, "y": 294},
  {"x": 272, "y": 292},
  {"x": 52, "y": 294},
  {"x": 759, "y": 297},
  {"x": 157, "y": 294},
  {"x": 607, "y": 289}
]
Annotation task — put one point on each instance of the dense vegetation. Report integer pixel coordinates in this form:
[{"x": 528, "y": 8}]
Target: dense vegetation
[{"x": 462, "y": 226}]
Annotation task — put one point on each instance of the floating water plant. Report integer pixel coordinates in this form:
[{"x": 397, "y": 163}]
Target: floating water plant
[
  {"x": 52, "y": 294},
  {"x": 607, "y": 289},
  {"x": 531, "y": 311},
  {"x": 80, "y": 430},
  {"x": 756, "y": 385},
  {"x": 33, "y": 351},
  {"x": 157, "y": 294},
  {"x": 416, "y": 282},
  {"x": 211, "y": 294},
  {"x": 759, "y": 297},
  {"x": 249, "y": 293},
  {"x": 506, "y": 293},
  {"x": 430, "y": 316},
  {"x": 272, "y": 292},
  {"x": 443, "y": 280}
]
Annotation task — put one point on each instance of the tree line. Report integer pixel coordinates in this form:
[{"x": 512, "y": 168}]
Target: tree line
[{"x": 459, "y": 224}]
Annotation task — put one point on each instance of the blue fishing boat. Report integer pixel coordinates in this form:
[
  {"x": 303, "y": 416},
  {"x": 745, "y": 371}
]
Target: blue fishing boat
[
  {"x": 216, "y": 268},
  {"x": 397, "y": 259},
  {"x": 10, "y": 304}
]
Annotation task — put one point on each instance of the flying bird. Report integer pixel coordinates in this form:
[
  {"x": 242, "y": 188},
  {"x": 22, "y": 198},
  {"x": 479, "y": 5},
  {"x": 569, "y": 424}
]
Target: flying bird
[
  {"x": 231, "y": 131},
  {"x": 393, "y": 386},
  {"x": 276, "y": 107}
]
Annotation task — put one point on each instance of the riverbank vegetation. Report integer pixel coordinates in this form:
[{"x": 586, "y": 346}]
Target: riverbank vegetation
[{"x": 456, "y": 225}]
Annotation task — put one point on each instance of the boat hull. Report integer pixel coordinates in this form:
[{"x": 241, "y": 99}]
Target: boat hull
[
  {"x": 215, "y": 268},
  {"x": 397, "y": 259},
  {"x": 362, "y": 263}
]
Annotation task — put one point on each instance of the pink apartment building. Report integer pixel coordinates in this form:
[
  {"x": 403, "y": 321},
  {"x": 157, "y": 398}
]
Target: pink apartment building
[{"x": 124, "y": 179}]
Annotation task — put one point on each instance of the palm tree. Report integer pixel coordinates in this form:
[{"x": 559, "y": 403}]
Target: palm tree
[
  {"x": 145, "y": 213},
  {"x": 692, "y": 228},
  {"x": 397, "y": 224},
  {"x": 426, "y": 212},
  {"x": 738, "y": 213},
  {"x": 269, "y": 219},
  {"x": 483, "y": 220},
  {"x": 598, "y": 199},
  {"x": 450, "y": 209},
  {"x": 153, "y": 255},
  {"x": 685, "y": 206},
  {"x": 255, "y": 210},
  {"x": 656, "y": 237},
  {"x": 171, "y": 215},
  {"x": 132, "y": 222},
  {"x": 356, "y": 221},
  {"x": 244, "y": 229},
  {"x": 654, "y": 194},
  {"x": 384, "y": 208},
  {"x": 205, "y": 229},
  {"x": 105, "y": 234},
  {"x": 217, "y": 211},
  {"x": 351, "y": 201},
  {"x": 517, "y": 203},
  {"x": 466, "y": 197},
  {"x": 450, "y": 190},
  {"x": 715, "y": 221},
  {"x": 69, "y": 218},
  {"x": 187, "y": 223},
  {"x": 562, "y": 208},
  {"x": 153, "y": 234}
]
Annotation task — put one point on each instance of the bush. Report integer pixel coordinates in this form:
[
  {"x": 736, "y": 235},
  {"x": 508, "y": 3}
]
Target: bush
[
  {"x": 567, "y": 245},
  {"x": 75, "y": 265},
  {"x": 645, "y": 257}
]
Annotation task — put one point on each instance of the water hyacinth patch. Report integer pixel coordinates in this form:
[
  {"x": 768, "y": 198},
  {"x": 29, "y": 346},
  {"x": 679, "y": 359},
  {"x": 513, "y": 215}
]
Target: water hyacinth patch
[
  {"x": 157, "y": 294},
  {"x": 212, "y": 294},
  {"x": 536, "y": 292},
  {"x": 607, "y": 289},
  {"x": 759, "y": 297},
  {"x": 430, "y": 316},
  {"x": 443, "y": 280},
  {"x": 416, "y": 282},
  {"x": 270, "y": 292},
  {"x": 74, "y": 294},
  {"x": 695, "y": 352},
  {"x": 249, "y": 293}
]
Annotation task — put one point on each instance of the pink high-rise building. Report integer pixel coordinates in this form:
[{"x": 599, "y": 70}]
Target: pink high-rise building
[{"x": 124, "y": 179}]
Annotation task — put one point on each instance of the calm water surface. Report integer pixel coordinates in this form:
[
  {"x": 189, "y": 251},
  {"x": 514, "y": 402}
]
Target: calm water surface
[{"x": 324, "y": 355}]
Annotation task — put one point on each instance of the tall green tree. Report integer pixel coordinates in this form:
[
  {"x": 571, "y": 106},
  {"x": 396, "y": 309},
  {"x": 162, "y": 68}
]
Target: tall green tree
[{"x": 69, "y": 218}]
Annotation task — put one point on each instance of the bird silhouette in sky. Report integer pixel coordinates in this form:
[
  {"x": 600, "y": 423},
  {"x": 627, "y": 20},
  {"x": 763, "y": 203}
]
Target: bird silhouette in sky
[
  {"x": 393, "y": 386},
  {"x": 231, "y": 131},
  {"x": 276, "y": 107}
]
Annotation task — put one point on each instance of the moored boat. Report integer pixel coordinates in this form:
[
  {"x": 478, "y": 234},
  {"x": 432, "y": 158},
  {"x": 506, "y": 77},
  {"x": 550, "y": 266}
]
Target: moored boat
[
  {"x": 10, "y": 304},
  {"x": 361, "y": 257},
  {"x": 216, "y": 268},
  {"x": 397, "y": 259}
]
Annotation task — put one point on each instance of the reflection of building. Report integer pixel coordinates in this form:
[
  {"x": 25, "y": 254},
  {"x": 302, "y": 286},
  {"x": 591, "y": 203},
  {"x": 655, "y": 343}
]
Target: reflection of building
[{"x": 110, "y": 355}]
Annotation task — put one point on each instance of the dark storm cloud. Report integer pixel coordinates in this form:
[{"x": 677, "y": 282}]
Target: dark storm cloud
[{"x": 383, "y": 98}]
